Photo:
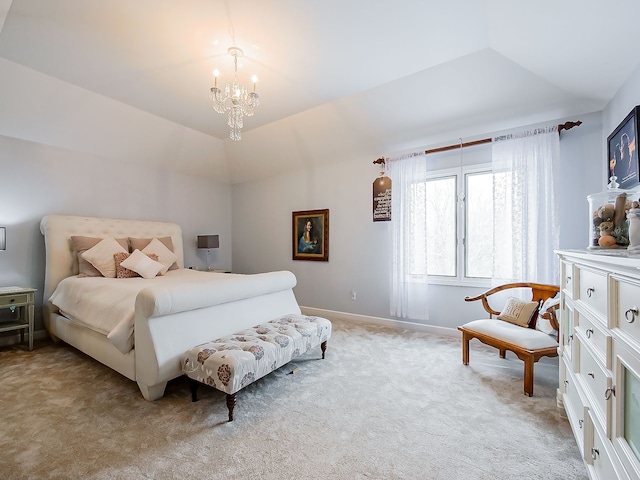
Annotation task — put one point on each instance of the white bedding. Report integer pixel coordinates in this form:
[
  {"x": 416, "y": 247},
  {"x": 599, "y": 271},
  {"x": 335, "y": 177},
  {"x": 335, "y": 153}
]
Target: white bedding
[{"x": 107, "y": 305}]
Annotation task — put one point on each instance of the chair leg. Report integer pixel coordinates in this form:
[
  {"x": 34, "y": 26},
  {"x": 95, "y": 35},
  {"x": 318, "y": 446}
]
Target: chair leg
[
  {"x": 528, "y": 376},
  {"x": 465, "y": 349}
]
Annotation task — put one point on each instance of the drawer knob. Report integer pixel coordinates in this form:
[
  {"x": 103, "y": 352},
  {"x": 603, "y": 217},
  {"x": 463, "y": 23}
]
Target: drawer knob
[
  {"x": 608, "y": 392},
  {"x": 591, "y": 374},
  {"x": 594, "y": 453},
  {"x": 589, "y": 332},
  {"x": 590, "y": 291},
  {"x": 630, "y": 315}
]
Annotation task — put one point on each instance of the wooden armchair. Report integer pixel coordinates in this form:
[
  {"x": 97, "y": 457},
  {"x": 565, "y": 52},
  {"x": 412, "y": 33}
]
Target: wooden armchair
[{"x": 527, "y": 343}]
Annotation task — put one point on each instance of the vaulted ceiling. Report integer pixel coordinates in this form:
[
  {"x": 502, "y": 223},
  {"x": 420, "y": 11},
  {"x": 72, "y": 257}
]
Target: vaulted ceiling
[{"x": 391, "y": 72}]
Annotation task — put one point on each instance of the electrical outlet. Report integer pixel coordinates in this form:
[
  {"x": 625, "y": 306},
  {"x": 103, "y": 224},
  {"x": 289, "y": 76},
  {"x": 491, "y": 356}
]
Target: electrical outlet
[{"x": 354, "y": 294}]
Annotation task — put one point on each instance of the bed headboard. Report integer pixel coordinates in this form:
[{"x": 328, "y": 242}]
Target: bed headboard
[{"x": 58, "y": 229}]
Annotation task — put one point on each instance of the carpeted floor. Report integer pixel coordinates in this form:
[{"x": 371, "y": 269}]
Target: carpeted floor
[{"x": 385, "y": 404}]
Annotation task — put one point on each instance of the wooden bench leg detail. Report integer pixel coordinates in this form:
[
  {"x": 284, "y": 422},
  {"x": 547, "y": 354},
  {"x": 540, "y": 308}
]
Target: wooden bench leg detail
[
  {"x": 193, "y": 385},
  {"x": 231, "y": 403},
  {"x": 465, "y": 349},
  {"x": 323, "y": 347},
  {"x": 528, "y": 376},
  {"x": 503, "y": 353}
]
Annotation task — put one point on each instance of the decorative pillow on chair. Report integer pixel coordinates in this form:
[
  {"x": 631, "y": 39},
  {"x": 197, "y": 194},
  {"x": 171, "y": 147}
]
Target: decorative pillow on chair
[
  {"x": 101, "y": 256},
  {"x": 142, "y": 265},
  {"x": 543, "y": 324},
  {"x": 519, "y": 312},
  {"x": 165, "y": 256}
]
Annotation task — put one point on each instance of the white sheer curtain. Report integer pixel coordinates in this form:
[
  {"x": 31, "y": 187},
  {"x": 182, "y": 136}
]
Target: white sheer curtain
[
  {"x": 526, "y": 223},
  {"x": 408, "y": 237}
]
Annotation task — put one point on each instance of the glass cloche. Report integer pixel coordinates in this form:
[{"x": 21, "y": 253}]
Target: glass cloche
[{"x": 609, "y": 227}]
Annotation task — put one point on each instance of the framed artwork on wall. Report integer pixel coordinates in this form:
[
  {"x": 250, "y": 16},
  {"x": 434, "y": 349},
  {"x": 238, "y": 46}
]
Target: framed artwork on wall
[
  {"x": 622, "y": 152},
  {"x": 310, "y": 230}
]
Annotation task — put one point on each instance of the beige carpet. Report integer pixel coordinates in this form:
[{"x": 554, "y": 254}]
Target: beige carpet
[{"x": 383, "y": 405}]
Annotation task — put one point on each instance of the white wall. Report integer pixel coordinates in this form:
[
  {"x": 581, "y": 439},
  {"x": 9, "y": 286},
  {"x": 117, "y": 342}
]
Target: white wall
[
  {"x": 359, "y": 247},
  {"x": 39, "y": 180},
  {"x": 622, "y": 103}
]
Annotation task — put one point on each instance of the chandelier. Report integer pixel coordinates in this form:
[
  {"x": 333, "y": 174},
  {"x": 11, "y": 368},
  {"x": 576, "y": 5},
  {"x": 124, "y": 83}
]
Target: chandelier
[{"x": 235, "y": 99}]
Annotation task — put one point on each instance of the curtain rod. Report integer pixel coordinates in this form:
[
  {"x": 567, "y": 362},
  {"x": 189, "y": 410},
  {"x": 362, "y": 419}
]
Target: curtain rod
[{"x": 561, "y": 126}]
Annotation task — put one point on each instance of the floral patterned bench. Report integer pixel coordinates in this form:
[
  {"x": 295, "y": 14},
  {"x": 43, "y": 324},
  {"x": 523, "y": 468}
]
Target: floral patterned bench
[{"x": 233, "y": 362}]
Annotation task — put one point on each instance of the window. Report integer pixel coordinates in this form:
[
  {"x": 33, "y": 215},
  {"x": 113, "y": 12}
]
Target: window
[{"x": 459, "y": 234}]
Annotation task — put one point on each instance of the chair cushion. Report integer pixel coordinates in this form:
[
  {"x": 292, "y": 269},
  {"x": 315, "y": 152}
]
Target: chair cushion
[{"x": 524, "y": 337}]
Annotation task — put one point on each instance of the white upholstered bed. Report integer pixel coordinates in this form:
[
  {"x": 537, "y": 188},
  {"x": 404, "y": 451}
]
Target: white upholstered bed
[{"x": 168, "y": 318}]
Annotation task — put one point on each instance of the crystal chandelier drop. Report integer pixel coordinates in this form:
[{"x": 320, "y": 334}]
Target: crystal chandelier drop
[{"x": 235, "y": 99}]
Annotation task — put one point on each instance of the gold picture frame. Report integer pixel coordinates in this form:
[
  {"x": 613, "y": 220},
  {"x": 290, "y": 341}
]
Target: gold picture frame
[{"x": 310, "y": 235}]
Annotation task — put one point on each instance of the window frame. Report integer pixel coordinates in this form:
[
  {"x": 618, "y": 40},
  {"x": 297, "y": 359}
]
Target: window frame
[{"x": 460, "y": 173}]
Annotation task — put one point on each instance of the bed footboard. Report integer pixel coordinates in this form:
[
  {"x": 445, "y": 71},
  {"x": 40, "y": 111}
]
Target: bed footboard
[{"x": 161, "y": 342}]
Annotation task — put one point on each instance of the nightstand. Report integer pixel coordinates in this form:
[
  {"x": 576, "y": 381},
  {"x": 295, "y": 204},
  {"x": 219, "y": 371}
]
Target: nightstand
[{"x": 23, "y": 300}]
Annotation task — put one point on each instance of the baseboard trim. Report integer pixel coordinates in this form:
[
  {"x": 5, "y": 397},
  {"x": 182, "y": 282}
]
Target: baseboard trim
[{"x": 399, "y": 324}]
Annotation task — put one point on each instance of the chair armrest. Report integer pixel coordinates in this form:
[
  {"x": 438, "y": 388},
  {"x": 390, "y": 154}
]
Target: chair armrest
[
  {"x": 539, "y": 291},
  {"x": 550, "y": 314}
]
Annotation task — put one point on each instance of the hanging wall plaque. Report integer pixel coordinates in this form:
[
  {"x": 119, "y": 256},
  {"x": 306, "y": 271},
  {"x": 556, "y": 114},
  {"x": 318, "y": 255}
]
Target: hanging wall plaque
[{"x": 382, "y": 199}]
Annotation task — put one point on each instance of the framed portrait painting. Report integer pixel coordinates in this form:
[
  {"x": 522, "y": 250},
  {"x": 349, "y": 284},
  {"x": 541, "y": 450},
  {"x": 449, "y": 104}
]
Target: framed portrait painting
[
  {"x": 622, "y": 153},
  {"x": 310, "y": 230}
]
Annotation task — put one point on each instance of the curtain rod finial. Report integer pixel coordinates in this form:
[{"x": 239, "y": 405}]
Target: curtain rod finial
[
  {"x": 568, "y": 125},
  {"x": 379, "y": 161}
]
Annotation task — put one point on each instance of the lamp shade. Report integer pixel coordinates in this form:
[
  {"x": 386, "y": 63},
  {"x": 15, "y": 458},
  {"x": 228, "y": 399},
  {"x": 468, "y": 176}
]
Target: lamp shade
[
  {"x": 3, "y": 238},
  {"x": 208, "y": 241}
]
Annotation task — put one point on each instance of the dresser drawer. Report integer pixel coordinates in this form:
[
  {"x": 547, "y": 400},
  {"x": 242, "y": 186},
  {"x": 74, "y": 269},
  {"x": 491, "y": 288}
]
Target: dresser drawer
[
  {"x": 602, "y": 461},
  {"x": 592, "y": 291},
  {"x": 19, "y": 299},
  {"x": 567, "y": 278},
  {"x": 596, "y": 337},
  {"x": 574, "y": 407},
  {"x": 596, "y": 380},
  {"x": 567, "y": 323},
  {"x": 625, "y": 314}
]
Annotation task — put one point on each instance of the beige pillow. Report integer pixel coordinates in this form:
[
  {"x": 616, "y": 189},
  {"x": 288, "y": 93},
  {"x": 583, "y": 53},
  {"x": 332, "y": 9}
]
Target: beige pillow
[
  {"x": 142, "y": 265},
  {"x": 101, "y": 256},
  {"x": 519, "y": 312},
  {"x": 81, "y": 244},
  {"x": 165, "y": 256},
  {"x": 122, "y": 272},
  {"x": 141, "y": 243}
]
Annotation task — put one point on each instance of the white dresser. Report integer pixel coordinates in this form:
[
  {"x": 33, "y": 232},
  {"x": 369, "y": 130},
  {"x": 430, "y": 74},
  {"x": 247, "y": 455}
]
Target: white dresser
[{"x": 600, "y": 359}]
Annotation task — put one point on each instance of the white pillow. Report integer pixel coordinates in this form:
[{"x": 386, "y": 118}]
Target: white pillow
[
  {"x": 142, "y": 265},
  {"x": 165, "y": 256},
  {"x": 543, "y": 324},
  {"x": 101, "y": 256}
]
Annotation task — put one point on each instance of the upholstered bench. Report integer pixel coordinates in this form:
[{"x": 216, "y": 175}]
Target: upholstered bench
[
  {"x": 233, "y": 362},
  {"x": 528, "y": 344}
]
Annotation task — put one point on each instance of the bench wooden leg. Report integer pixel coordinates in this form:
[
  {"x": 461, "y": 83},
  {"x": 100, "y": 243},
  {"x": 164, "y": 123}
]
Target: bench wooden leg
[
  {"x": 503, "y": 353},
  {"x": 323, "y": 347},
  {"x": 465, "y": 349},
  {"x": 528, "y": 376},
  {"x": 231, "y": 403},
  {"x": 193, "y": 385}
]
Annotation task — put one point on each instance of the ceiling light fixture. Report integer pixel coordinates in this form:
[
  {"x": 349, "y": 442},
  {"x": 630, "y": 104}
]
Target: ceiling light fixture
[{"x": 235, "y": 100}]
